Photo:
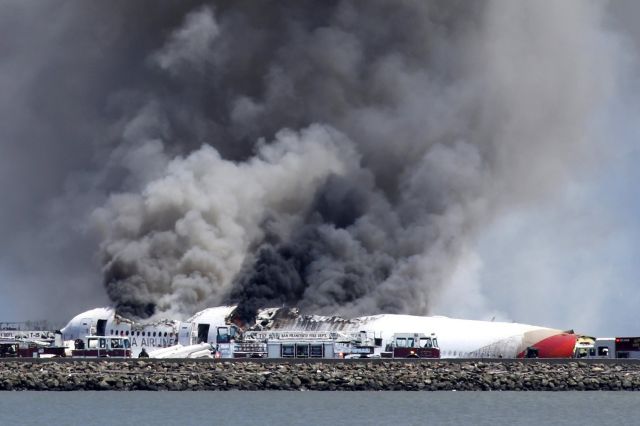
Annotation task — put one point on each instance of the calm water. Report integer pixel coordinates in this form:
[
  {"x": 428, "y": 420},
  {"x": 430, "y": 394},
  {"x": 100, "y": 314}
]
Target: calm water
[{"x": 318, "y": 408}]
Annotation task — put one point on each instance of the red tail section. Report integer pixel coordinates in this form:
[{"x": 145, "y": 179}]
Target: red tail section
[{"x": 556, "y": 346}]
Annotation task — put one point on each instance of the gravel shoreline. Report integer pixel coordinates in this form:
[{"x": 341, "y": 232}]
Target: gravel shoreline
[{"x": 174, "y": 375}]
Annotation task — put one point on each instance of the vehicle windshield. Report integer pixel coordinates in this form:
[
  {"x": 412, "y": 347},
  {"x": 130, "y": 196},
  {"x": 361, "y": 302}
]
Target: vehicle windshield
[
  {"x": 223, "y": 335},
  {"x": 581, "y": 352},
  {"x": 425, "y": 342},
  {"x": 401, "y": 342}
]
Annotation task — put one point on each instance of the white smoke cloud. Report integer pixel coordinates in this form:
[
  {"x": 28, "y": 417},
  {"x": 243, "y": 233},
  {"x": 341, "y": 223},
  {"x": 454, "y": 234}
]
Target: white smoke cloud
[{"x": 182, "y": 240}]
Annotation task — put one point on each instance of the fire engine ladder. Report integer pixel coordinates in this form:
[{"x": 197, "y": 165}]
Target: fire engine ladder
[{"x": 292, "y": 335}]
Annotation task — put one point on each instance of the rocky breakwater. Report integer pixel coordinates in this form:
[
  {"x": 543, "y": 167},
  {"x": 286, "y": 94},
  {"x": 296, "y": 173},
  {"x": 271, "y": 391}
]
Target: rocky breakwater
[{"x": 348, "y": 375}]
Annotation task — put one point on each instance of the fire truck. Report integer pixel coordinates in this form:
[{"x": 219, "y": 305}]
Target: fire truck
[
  {"x": 228, "y": 342},
  {"x": 347, "y": 345},
  {"x": 412, "y": 345},
  {"x": 615, "y": 347},
  {"x": 102, "y": 347},
  {"x": 13, "y": 348},
  {"x": 286, "y": 344}
]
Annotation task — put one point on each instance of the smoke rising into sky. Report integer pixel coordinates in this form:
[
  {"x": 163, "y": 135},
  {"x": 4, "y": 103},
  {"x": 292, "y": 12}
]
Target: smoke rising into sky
[{"x": 347, "y": 158}]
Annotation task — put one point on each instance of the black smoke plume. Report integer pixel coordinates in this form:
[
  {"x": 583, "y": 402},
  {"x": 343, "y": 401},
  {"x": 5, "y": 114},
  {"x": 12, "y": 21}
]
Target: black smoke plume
[
  {"x": 413, "y": 124},
  {"x": 340, "y": 156}
]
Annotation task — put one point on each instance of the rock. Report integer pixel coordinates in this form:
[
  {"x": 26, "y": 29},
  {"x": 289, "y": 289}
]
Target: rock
[{"x": 382, "y": 375}]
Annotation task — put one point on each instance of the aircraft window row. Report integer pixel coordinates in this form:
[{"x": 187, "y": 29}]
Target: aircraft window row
[{"x": 142, "y": 333}]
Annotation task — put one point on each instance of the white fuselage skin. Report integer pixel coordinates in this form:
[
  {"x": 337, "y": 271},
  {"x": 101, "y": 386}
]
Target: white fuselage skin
[
  {"x": 457, "y": 338},
  {"x": 149, "y": 335}
]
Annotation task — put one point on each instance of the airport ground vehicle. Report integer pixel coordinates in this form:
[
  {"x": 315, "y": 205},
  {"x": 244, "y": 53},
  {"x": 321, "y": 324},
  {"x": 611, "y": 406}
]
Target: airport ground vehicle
[
  {"x": 314, "y": 344},
  {"x": 614, "y": 347},
  {"x": 102, "y": 347},
  {"x": 412, "y": 345},
  {"x": 584, "y": 345},
  {"x": 12, "y": 348}
]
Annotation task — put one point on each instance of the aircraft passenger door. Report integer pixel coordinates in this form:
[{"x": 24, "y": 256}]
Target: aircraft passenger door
[
  {"x": 102, "y": 327},
  {"x": 203, "y": 333},
  {"x": 85, "y": 328},
  {"x": 184, "y": 338}
]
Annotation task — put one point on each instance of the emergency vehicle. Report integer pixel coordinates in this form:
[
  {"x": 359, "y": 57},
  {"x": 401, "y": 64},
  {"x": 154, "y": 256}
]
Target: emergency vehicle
[
  {"x": 13, "y": 348},
  {"x": 412, "y": 345},
  {"x": 615, "y": 347},
  {"x": 102, "y": 346},
  {"x": 584, "y": 346}
]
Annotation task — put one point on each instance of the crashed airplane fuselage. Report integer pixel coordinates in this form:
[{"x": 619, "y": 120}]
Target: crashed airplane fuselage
[{"x": 458, "y": 338}]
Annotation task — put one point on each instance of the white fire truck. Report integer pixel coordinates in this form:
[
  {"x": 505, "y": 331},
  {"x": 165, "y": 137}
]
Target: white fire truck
[
  {"x": 284, "y": 344},
  {"x": 614, "y": 347}
]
